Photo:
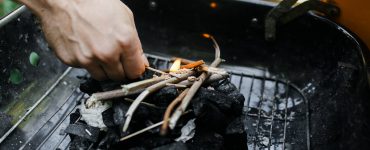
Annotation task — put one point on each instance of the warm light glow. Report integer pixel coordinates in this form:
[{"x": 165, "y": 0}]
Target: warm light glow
[
  {"x": 206, "y": 35},
  {"x": 176, "y": 65},
  {"x": 213, "y": 5}
]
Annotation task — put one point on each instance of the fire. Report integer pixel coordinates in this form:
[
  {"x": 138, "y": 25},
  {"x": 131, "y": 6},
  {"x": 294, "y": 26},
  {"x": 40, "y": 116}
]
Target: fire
[
  {"x": 176, "y": 65},
  {"x": 206, "y": 35},
  {"x": 213, "y": 5}
]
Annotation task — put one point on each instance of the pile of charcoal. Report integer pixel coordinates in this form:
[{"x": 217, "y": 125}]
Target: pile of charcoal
[
  {"x": 213, "y": 120},
  {"x": 196, "y": 106}
]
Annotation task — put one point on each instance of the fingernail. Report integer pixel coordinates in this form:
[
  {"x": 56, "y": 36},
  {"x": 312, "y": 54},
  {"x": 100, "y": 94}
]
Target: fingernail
[{"x": 146, "y": 62}]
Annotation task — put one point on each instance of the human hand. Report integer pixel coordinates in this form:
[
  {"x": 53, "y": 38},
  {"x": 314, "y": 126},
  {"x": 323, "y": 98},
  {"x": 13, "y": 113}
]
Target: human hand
[{"x": 98, "y": 35}]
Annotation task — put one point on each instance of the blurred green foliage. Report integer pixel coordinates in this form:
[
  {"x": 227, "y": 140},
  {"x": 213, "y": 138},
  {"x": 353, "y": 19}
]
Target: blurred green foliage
[{"x": 7, "y": 6}]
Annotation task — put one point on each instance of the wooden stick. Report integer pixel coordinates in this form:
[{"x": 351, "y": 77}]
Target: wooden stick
[
  {"x": 144, "y": 103},
  {"x": 193, "y": 64},
  {"x": 202, "y": 67},
  {"x": 194, "y": 88},
  {"x": 129, "y": 89},
  {"x": 212, "y": 78},
  {"x": 155, "y": 70},
  {"x": 183, "y": 61},
  {"x": 214, "y": 70},
  {"x": 169, "y": 109},
  {"x": 148, "y": 91},
  {"x": 177, "y": 85},
  {"x": 141, "y": 131},
  {"x": 145, "y": 129}
]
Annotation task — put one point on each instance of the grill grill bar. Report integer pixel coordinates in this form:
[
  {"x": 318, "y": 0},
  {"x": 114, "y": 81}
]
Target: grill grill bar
[
  {"x": 273, "y": 112},
  {"x": 286, "y": 116},
  {"x": 259, "y": 112}
]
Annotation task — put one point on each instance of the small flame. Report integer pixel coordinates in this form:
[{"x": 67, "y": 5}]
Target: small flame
[
  {"x": 176, "y": 65},
  {"x": 206, "y": 35},
  {"x": 213, "y": 5}
]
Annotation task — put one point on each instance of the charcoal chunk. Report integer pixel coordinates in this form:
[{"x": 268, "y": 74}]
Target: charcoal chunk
[
  {"x": 138, "y": 148},
  {"x": 229, "y": 89},
  {"x": 206, "y": 140},
  {"x": 218, "y": 121},
  {"x": 236, "y": 126},
  {"x": 140, "y": 117},
  {"x": 108, "y": 119},
  {"x": 165, "y": 96},
  {"x": 222, "y": 101},
  {"x": 209, "y": 116},
  {"x": 74, "y": 117},
  {"x": 119, "y": 112},
  {"x": 110, "y": 138},
  {"x": 79, "y": 143},
  {"x": 224, "y": 86},
  {"x": 173, "y": 146},
  {"x": 235, "y": 135},
  {"x": 90, "y": 86},
  {"x": 237, "y": 102},
  {"x": 156, "y": 141},
  {"x": 83, "y": 130}
]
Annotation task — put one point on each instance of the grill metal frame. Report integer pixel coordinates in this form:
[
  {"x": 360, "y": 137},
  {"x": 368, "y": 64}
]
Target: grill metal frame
[{"x": 254, "y": 138}]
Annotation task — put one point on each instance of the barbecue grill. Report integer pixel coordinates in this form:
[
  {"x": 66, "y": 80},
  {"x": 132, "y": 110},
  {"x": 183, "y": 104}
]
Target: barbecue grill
[{"x": 309, "y": 89}]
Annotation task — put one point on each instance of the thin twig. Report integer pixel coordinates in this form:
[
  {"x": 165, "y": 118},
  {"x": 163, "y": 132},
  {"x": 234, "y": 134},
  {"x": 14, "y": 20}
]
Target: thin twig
[
  {"x": 145, "y": 129},
  {"x": 212, "y": 78},
  {"x": 144, "y": 103},
  {"x": 129, "y": 89},
  {"x": 177, "y": 85},
  {"x": 193, "y": 64},
  {"x": 202, "y": 67},
  {"x": 169, "y": 109},
  {"x": 155, "y": 70},
  {"x": 194, "y": 88},
  {"x": 150, "y": 90},
  {"x": 141, "y": 131}
]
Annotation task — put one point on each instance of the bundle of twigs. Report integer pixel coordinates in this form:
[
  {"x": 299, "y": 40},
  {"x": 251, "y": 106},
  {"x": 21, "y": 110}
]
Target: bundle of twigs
[{"x": 182, "y": 78}]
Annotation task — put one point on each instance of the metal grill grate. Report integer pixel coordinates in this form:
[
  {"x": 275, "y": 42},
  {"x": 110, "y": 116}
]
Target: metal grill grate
[{"x": 276, "y": 111}]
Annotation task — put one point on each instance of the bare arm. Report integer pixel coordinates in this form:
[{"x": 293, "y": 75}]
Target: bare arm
[{"x": 98, "y": 35}]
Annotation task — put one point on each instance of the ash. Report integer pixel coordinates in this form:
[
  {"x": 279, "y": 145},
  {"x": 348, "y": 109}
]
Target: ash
[{"x": 215, "y": 120}]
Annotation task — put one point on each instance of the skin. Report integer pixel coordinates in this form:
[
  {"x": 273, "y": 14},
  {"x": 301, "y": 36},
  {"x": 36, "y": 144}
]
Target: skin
[{"x": 98, "y": 35}]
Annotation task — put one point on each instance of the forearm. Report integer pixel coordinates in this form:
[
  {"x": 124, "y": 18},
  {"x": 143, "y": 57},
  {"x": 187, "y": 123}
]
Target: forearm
[
  {"x": 78, "y": 32},
  {"x": 41, "y": 7}
]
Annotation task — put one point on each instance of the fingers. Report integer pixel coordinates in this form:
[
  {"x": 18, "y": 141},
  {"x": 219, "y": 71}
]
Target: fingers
[
  {"x": 96, "y": 71},
  {"x": 134, "y": 65},
  {"x": 114, "y": 70},
  {"x": 146, "y": 62}
]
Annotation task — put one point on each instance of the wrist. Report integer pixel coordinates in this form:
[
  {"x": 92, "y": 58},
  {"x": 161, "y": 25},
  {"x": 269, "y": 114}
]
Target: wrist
[{"x": 43, "y": 7}]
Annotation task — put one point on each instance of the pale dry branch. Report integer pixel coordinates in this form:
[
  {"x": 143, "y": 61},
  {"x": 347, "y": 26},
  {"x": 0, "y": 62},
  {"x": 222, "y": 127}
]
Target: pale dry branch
[
  {"x": 156, "y": 70},
  {"x": 144, "y": 103},
  {"x": 169, "y": 109},
  {"x": 150, "y": 90},
  {"x": 129, "y": 89},
  {"x": 196, "y": 85},
  {"x": 145, "y": 129}
]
